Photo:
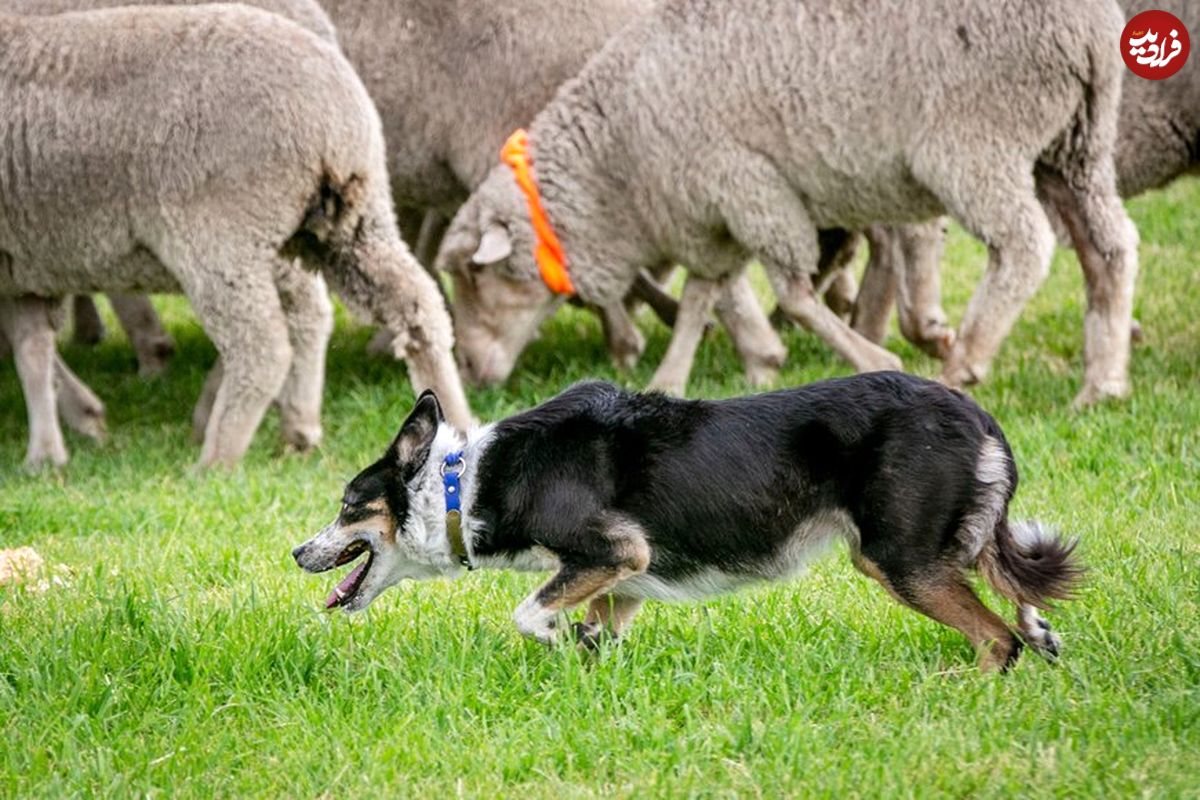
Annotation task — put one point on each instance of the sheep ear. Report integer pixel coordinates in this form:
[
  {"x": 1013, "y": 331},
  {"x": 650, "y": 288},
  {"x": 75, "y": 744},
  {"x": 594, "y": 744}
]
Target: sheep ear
[
  {"x": 494, "y": 247},
  {"x": 411, "y": 448}
]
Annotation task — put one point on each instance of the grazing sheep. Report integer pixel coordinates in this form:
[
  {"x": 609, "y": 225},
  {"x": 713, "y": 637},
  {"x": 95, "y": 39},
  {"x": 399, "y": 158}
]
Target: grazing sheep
[
  {"x": 187, "y": 174},
  {"x": 151, "y": 343},
  {"x": 452, "y": 79},
  {"x": 767, "y": 137},
  {"x": 1158, "y": 140}
]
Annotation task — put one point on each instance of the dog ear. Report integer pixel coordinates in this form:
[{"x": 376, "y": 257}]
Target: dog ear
[{"x": 410, "y": 450}]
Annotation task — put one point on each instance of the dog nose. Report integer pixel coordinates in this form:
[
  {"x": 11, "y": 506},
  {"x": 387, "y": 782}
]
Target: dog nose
[{"x": 298, "y": 552}]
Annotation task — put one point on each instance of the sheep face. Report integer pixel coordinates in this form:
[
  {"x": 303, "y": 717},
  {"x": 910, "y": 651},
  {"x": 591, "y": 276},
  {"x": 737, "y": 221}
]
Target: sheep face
[{"x": 499, "y": 297}]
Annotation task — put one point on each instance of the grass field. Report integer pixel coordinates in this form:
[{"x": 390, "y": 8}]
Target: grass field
[{"x": 184, "y": 654}]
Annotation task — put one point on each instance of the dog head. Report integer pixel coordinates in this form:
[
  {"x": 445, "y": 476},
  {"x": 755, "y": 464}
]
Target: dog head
[{"x": 388, "y": 515}]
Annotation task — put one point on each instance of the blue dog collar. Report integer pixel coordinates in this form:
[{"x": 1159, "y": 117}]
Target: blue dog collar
[{"x": 453, "y": 467}]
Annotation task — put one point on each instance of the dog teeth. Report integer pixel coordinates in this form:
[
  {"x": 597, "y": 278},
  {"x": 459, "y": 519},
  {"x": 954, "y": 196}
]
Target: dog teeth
[{"x": 340, "y": 594}]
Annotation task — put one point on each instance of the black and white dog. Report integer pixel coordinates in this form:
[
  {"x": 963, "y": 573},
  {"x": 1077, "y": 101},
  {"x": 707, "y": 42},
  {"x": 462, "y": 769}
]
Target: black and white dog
[{"x": 629, "y": 497}]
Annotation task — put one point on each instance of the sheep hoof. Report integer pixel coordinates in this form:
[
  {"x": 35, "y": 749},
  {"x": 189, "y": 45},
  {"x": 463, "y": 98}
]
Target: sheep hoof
[
  {"x": 627, "y": 353},
  {"x": 937, "y": 340},
  {"x": 762, "y": 370},
  {"x": 883, "y": 362},
  {"x": 1136, "y": 334},
  {"x": 39, "y": 459},
  {"x": 302, "y": 438},
  {"x": 1097, "y": 392},
  {"x": 668, "y": 386},
  {"x": 626, "y": 361},
  {"x": 153, "y": 360}
]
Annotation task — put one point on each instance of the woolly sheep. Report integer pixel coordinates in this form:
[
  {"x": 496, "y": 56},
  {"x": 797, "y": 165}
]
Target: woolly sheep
[
  {"x": 151, "y": 343},
  {"x": 794, "y": 135},
  {"x": 221, "y": 182},
  {"x": 1158, "y": 128},
  {"x": 452, "y": 79}
]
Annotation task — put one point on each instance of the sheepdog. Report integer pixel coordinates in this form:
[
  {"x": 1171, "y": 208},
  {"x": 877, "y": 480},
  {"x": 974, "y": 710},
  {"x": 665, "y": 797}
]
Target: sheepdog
[{"x": 630, "y": 497}]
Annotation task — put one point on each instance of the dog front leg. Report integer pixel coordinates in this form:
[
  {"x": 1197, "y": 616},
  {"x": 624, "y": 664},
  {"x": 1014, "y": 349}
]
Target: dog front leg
[{"x": 619, "y": 550}]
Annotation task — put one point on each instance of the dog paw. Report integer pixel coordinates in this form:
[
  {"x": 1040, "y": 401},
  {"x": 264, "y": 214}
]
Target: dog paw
[
  {"x": 589, "y": 635},
  {"x": 535, "y": 621},
  {"x": 1037, "y": 633}
]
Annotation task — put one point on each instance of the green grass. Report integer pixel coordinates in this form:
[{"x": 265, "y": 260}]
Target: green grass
[{"x": 185, "y": 654}]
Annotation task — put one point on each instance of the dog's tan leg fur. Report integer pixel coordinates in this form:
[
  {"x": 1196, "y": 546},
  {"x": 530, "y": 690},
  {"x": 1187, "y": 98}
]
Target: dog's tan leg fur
[
  {"x": 951, "y": 601},
  {"x": 946, "y": 597},
  {"x": 625, "y": 553}
]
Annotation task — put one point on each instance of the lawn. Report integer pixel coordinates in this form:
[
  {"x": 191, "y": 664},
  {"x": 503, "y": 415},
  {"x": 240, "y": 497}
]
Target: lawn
[{"x": 180, "y": 652}]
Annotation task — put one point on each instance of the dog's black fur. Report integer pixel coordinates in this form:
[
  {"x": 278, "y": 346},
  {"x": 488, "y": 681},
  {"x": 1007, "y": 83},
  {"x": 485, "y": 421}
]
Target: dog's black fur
[
  {"x": 616, "y": 484},
  {"x": 725, "y": 484}
]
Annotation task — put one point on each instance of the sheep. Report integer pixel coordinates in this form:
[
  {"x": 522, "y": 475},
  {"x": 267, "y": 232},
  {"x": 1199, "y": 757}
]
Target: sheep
[
  {"x": 190, "y": 175},
  {"x": 447, "y": 108},
  {"x": 152, "y": 344},
  {"x": 1157, "y": 136},
  {"x": 697, "y": 137}
]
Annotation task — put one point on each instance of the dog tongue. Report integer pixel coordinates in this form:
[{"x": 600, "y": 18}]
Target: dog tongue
[{"x": 343, "y": 589}]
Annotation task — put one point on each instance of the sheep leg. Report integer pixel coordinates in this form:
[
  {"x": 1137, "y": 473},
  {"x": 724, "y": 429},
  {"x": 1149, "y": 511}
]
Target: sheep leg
[
  {"x": 840, "y": 291},
  {"x": 89, "y": 328},
  {"x": 239, "y": 306},
  {"x": 379, "y": 278},
  {"x": 649, "y": 291},
  {"x": 699, "y": 297},
  {"x": 799, "y": 301},
  {"x": 79, "y": 406},
  {"x": 1105, "y": 241},
  {"x": 309, "y": 317},
  {"x": 152, "y": 344},
  {"x": 429, "y": 240},
  {"x": 1003, "y": 211},
  {"x": 625, "y": 342},
  {"x": 26, "y": 324},
  {"x": 425, "y": 230},
  {"x": 776, "y": 226},
  {"x": 876, "y": 298},
  {"x": 204, "y": 403},
  {"x": 919, "y": 301},
  {"x": 837, "y": 248},
  {"x": 758, "y": 345}
]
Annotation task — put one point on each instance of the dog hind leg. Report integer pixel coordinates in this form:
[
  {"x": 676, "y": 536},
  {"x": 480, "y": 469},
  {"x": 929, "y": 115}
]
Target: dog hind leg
[{"x": 945, "y": 596}]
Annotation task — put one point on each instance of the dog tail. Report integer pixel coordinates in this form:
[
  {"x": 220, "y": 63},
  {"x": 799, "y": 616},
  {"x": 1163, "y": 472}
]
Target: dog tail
[{"x": 1030, "y": 564}]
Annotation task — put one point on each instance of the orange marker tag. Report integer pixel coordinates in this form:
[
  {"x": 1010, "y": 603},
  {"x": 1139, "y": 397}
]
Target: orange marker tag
[{"x": 548, "y": 250}]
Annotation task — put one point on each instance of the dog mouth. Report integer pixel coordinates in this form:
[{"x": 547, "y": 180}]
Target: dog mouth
[{"x": 347, "y": 590}]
